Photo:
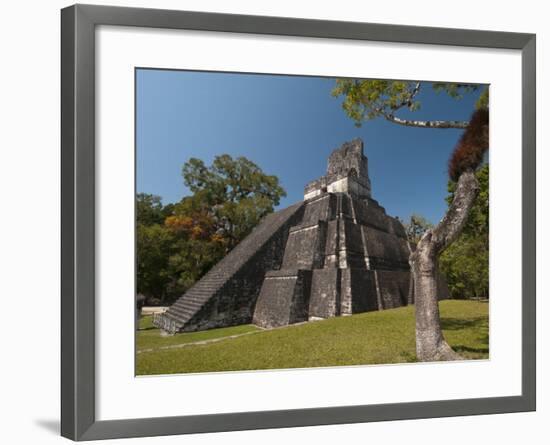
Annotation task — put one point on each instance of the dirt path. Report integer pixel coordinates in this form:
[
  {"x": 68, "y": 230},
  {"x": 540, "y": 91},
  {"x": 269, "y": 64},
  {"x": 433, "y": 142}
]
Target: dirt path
[
  {"x": 214, "y": 340},
  {"x": 199, "y": 342}
]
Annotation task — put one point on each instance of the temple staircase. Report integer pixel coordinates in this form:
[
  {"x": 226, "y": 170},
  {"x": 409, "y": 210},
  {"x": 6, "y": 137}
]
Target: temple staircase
[{"x": 188, "y": 312}]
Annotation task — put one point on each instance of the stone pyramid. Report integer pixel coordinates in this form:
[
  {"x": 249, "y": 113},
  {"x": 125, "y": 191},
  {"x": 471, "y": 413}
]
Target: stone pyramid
[
  {"x": 335, "y": 253},
  {"x": 346, "y": 256}
]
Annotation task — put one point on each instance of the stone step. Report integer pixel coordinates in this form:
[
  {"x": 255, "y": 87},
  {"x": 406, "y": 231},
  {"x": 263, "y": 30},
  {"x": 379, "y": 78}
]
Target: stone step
[
  {"x": 191, "y": 305},
  {"x": 204, "y": 290},
  {"x": 207, "y": 287},
  {"x": 196, "y": 296},
  {"x": 199, "y": 296},
  {"x": 209, "y": 283},
  {"x": 202, "y": 293},
  {"x": 182, "y": 314},
  {"x": 190, "y": 299},
  {"x": 167, "y": 323},
  {"x": 172, "y": 317}
]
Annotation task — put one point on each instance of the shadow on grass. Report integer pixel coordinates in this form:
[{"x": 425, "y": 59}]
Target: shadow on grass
[
  {"x": 407, "y": 357},
  {"x": 454, "y": 324},
  {"x": 462, "y": 348},
  {"x": 480, "y": 325}
]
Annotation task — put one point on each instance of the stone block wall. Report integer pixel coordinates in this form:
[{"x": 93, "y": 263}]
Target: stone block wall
[
  {"x": 304, "y": 247},
  {"x": 393, "y": 288},
  {"x": 322, "y": 208},
  {"x": 359, "y": 290},
  {"x": 325, "y": 299},
  {"x": 385, "y": 250},
  {"x": 284, "y": 298}
]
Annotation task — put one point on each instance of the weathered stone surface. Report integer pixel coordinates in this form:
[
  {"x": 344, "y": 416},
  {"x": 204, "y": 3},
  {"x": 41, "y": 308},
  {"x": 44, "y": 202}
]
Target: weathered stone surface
[
  {"x": 284, "y": 298},
  {"x": 325, "y": 298},
  {"x": 347, "y": 172},
  {"x": 359, "y": 291},
  {"x": 385, "y": 250},
  {"x": 304, "y": 248},
  {"x": 336, "y": 253},
  {"x": 393, "y": 287},
  {"x": 322, "y": 208}
]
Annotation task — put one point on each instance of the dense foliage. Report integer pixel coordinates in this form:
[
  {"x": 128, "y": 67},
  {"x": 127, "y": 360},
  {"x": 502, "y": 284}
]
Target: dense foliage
[
  {"x": 465, "y": 263},
  {"x": 178, "y": 243}
]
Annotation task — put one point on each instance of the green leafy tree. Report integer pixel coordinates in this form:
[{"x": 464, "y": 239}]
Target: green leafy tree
[
  {"x": 178, "y": 243},
  {"x": 191, "y": 260},
  {"x": 465, "y": 263},
  {"x": 155, "y": 245},
  {"x": 197, "y": 243},
  {"x": 236, "y": 191},
  {"x": 149, "y": 209}
]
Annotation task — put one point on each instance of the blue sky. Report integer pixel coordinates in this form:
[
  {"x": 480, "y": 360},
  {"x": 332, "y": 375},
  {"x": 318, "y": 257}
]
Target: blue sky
[{"x": 288, "y": 125}]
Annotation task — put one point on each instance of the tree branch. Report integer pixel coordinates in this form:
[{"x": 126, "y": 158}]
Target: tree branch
[
  {"x": 425, "y": 124},
  {"x": 450, "y": 227}
]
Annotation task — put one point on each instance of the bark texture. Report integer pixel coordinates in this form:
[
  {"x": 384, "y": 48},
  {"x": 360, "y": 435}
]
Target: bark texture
[{"x": 430, "y": 344}]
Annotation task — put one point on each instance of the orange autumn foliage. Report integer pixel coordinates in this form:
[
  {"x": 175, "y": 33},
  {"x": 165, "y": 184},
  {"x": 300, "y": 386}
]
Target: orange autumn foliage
[
  {"x": 179, "y": 223},
  {"x": 200, "y": 227}
]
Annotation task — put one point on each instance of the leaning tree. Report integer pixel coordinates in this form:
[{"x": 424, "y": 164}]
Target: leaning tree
[{"x": 371, "y": 99}]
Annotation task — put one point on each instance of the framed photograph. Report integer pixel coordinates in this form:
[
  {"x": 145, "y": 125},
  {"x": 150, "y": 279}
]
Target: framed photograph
[{"x": 273, "y": 222}]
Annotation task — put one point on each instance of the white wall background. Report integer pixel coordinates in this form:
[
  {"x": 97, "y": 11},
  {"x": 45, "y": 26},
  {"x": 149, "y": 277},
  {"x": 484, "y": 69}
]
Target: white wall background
[{"x": 29, "y": 221}]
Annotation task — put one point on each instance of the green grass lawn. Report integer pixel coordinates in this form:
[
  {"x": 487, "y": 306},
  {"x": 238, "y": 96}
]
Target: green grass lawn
[
  {"x": 148, "y": 337},
  {"x": 368, "y": 338}
]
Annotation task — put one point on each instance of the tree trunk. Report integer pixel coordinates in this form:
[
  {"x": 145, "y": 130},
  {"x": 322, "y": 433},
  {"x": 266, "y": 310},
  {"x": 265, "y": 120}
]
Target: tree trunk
[{"x": 430, "y": 344}]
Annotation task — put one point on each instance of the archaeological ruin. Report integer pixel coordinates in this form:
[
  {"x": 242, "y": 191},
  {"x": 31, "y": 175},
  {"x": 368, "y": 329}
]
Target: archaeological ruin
[{"x": 334, "y": 253}]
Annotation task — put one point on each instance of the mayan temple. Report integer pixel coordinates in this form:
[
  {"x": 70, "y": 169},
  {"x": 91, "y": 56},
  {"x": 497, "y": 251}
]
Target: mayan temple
[{"x": 334, "y": 253}]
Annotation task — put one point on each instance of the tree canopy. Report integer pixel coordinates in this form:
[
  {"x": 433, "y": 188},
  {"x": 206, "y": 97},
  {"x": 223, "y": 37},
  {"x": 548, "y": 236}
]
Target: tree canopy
[
  {"x": 178, "y": 243},
  {"x": 236, "y": 193},
  {"x": 370, "y": 99}
]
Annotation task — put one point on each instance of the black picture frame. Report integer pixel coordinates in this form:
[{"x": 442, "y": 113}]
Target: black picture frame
[{"x": 78, "y": 23}]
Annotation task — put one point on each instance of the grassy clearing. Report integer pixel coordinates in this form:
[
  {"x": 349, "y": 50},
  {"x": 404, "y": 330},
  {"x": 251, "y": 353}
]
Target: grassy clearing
[{"x": 369, "y": 338}]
